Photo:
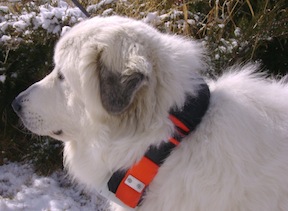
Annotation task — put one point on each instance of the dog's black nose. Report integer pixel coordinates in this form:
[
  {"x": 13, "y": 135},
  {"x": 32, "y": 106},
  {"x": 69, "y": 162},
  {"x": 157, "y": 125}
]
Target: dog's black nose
[{"x": 16, "y": 105}]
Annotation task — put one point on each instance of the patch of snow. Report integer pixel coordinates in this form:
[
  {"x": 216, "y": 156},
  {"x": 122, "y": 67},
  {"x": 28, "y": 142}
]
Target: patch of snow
[
  {"x": 223, "y": 49},
  {"x": 164, "y": 16},
  {"x": 237, "y": 32},
  {"x": 2, "y": 79},
  {"x": 221, "y": 26},
  {"x": 21, "y": 189},
  {"x": 234, "y": 43},
  {"x": 107, "y": 12},
  {"x": 14, "y": 75},
  {"x": 152, "y": 18},
  {"x": 5, "y": 38},
  {"x": 4, "y": 9},
  {"x": 50, "y": 18},
  {"x": 176, "y": 13},
  {"x": 191, "y": 22},
  {"x": 3, "y": 26},
  {"x": 93, "y": 8},
  {"x": 20, "y": 25}
]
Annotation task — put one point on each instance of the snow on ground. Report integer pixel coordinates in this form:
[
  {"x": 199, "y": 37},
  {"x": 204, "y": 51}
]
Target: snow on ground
[{"x": 21, "y": 189}]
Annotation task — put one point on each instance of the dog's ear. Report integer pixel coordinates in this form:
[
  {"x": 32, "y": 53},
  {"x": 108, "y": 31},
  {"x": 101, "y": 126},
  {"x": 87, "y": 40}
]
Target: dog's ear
[
  {"x": 117, "y": 90},
  {"x": 123, "y": 69}
]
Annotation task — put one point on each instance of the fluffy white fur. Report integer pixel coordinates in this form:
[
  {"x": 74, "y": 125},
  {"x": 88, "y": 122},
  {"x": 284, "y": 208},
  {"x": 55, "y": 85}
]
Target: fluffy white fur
[{"x": 236, "y": 160}]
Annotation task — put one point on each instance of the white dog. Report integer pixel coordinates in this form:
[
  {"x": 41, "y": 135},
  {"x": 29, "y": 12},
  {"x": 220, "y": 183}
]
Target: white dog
[{"x": 109, "y": 97}]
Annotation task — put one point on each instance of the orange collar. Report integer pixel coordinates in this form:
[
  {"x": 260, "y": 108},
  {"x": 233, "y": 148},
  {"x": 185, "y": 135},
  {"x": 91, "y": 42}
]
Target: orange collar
[{"x": 129, "y": 186}]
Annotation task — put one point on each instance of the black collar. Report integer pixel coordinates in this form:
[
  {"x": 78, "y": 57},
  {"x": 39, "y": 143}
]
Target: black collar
[{"x": 129, "y": 185}]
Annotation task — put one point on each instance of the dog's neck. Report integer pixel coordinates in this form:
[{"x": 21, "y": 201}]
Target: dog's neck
[{"x": 129, "y": 185}]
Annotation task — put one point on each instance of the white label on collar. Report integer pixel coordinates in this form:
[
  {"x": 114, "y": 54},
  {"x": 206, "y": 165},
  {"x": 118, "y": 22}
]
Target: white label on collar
[{"x": 134, "y": 183}]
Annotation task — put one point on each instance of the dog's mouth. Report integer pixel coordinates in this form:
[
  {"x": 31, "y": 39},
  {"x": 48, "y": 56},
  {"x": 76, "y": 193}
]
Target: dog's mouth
[{"x": 57, "y": 132}]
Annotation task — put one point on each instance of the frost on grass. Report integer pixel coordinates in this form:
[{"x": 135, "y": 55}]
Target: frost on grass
[
  {"x": 36, "y": 23},
  {"x": 45, "y": 17}
]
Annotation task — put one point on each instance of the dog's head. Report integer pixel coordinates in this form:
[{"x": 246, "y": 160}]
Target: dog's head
[{"x": 114, "y": 71}]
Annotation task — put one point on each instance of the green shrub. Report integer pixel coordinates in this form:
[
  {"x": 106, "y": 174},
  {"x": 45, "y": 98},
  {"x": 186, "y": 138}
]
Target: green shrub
[
  {"x": 27, "y": 43},
  {"x": 24, "y": 65}
]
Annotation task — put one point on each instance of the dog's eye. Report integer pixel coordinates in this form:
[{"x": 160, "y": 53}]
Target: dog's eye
[{"x": 60, "y": 76}]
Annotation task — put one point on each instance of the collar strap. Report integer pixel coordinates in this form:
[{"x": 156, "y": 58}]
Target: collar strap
[{"x": 129, "y": 185}]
